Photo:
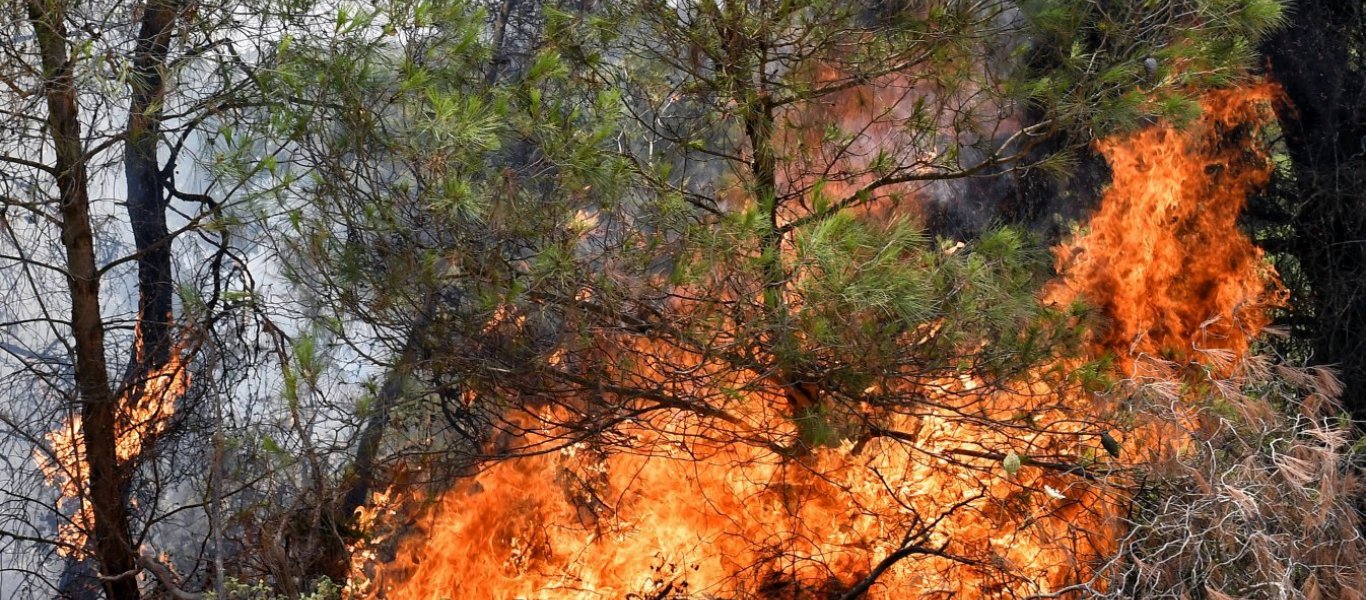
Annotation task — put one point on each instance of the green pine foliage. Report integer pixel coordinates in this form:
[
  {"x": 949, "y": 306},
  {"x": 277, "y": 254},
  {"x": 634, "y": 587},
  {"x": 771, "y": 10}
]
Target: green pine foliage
[
  {"x": 1112, "y": 65},
  {"x": 685, "y": 172},
  {"x": 678, "y": 206}
]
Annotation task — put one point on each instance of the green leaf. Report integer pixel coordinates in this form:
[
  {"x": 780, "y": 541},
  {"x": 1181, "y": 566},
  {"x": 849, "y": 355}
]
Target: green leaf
[{"x": 268, "y": 443}]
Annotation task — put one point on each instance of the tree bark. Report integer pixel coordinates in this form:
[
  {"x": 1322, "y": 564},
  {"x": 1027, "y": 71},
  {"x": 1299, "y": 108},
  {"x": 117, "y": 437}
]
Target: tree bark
[
  {"x": 367, "y": 450},
  {"x": 147, "y": 200},
  {"x": 1317, "y": 60},
  {"x": 99, "y": 406}
]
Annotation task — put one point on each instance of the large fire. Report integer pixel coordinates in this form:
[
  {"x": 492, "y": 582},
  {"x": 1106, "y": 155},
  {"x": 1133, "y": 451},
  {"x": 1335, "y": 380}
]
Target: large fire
[
  {"x": 1164, "y": 259},
  {"x": 947, "y": 500},
  {"x": 138, "y": 422}
]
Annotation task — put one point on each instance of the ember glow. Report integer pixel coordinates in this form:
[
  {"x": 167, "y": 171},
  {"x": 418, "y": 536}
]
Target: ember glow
[
  {"x": 940, "y": 503},
  {"x": 138, "y": 423}
]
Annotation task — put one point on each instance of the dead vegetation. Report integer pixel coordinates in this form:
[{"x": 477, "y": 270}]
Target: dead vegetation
[{"x": 1260, "y": 500}]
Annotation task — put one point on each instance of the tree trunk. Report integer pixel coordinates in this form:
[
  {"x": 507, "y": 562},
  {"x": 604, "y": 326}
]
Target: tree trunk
[
  {"x": 357, "y": 491},
  {"x": 367, "y": 450},
  {"x": 1317, "y": 59},
  {"x": 99, "y": 406},
  {"x": 147, "y": 200},
  {"x": 760, "y": 129}
]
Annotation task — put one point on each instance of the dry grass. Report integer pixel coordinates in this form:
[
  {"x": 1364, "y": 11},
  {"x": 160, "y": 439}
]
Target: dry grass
[{"x": 1261, "y": 502}]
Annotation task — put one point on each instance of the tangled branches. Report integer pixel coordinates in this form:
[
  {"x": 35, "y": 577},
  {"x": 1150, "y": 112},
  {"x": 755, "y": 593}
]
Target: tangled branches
[{"x": 1259, "y": 503}]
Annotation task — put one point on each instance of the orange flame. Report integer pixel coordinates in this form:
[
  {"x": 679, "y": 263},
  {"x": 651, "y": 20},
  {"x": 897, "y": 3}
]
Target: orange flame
[
  {"x": 137, "y": 423},
  {"x": 1164, "y": 259},
  {"x": 686, "y": 514}
]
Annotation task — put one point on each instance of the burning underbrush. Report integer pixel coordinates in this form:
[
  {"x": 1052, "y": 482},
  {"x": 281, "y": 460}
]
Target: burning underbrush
[
  {"x": 146, "y": 407},
  {"x": 1261, "y": 500},
  {"x": 1185, "y": 477}
]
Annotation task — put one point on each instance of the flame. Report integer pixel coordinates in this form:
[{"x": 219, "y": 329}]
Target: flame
[
  {"x": 701, "y": 508},
  {"x": 138, "y": 423},
  {"x": 678, "y": 516},
  {"x": 1164, "y": 259}
]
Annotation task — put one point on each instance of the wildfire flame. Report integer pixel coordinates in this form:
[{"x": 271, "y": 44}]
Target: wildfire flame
[
  {"x": 138, "y": 422},
  {"x": 1164, "y": 259},
  {"x": 940, "y": 510}
]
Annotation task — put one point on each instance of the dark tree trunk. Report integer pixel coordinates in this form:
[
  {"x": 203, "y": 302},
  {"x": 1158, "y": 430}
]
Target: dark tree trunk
[
  {"x": 99, "y": 406},
  {"x": 367, "y": 450},
  {"x": 1319, "y": 60},
  {"x": 500, "y": 24},
  {"x": 801, "y": 395},
  {"x": 147, "y": 200}
]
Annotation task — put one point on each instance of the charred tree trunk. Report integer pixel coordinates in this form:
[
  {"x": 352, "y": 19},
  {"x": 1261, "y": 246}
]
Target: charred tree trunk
[
  {"x": 367, "y": 450},
  {"x": 1319, "y": 61},
  {"x": 147, "y": 200},
  {"x": 99, "y": 406},
  {"x": 760, "y": 126},
  {"x": 760, "y": 123}
]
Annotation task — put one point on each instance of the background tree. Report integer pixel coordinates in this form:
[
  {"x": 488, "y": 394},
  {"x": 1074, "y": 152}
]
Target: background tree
[
  {"x": 91, "y": 87},
  {"x": 399, "y": 242},
  {"x": 1311, "y": 218},
  {"x": 715, "y": 244}
]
